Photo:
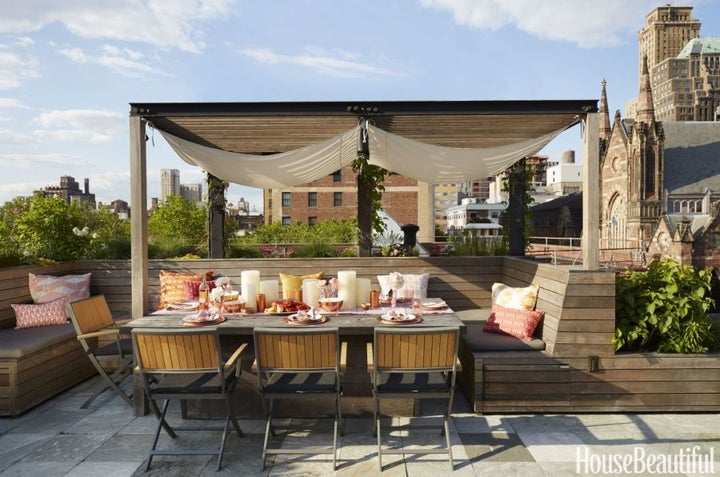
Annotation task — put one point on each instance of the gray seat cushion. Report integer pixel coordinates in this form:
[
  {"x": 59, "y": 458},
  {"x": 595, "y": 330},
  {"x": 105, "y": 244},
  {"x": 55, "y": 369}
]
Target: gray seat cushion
[
  {"x": 476, "y": 339},
  {"x": 16, "y": 344}
]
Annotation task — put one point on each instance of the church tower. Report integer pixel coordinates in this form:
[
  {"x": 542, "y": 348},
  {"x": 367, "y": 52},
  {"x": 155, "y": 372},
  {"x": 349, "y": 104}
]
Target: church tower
[{"x": 645, "y": 166}]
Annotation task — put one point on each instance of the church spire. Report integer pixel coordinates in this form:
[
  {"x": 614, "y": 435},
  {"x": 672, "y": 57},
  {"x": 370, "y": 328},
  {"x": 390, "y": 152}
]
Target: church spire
[
  {"x": 645, "y": 108},
  {"x": 604, "y": 114}
]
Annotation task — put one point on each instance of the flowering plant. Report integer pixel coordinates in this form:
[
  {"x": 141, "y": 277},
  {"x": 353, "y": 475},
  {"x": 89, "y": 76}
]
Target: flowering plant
[
  {"x": 396, "y": 280},
  {"x": 328, "y": 288}
]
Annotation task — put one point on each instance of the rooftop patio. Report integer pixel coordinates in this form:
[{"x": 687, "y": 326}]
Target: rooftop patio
[{"x": 58, "y": 438}]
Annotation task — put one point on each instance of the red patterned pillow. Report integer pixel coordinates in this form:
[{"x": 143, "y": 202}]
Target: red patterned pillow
[
  {"x": 191, "y": 288},
  {"x": 172, "y": 288},
  {"x": 509, "y": 321},
  {"x": 46, "y": 288},
  {"x": 50, "y": 313}
]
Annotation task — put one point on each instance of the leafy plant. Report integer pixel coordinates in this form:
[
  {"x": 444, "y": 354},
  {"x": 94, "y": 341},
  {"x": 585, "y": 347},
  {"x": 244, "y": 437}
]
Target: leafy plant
[
  {"x": 473, "y": 245},
  {"x": 664, "y": 309}
]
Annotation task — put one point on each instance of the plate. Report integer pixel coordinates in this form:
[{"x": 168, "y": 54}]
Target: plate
[
  {"x": 387, "y": 301},
  {"x": 291, "y": 320},
  {"x": 433, "y": 305},
  {"x": 184, "y": 306},
  {"x": 190, "y": 322},
  {"x": 407, "y": 320}
]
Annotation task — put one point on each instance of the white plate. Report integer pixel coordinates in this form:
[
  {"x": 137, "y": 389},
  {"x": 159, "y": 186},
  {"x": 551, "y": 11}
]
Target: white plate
[
  {"x": 406, "y": 317},
  {"x": 434, "y": 304},
  {"x": 195, "y": 319},
  {"x": 294, "y": 317},
  {"x": 184, "y": 306}
]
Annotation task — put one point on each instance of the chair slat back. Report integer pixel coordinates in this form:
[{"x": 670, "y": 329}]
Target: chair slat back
[
  {"x": 176, "y": 351},
  {"x": 416, "y": 349},
  {"x": 296, "y": 350},
  {"x": 91, "y": 314}
]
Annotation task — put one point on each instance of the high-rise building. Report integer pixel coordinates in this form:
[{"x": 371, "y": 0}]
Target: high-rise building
[
  {"x": 169, "y": 183},
  {"x": 684, "y": 68}
]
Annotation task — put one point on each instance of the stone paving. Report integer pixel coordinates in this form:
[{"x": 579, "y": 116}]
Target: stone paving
[{"x": 59, "y": 439}]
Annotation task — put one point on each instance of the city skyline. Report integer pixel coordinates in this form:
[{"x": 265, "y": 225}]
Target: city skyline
[{"x": 70, "y": 71}]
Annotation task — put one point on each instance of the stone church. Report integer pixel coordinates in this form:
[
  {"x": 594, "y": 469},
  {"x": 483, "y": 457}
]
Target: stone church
[{"x": 660, "y": 184}]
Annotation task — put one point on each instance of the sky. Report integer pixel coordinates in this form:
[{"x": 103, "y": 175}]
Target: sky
[{"x": 70, "y": 69}]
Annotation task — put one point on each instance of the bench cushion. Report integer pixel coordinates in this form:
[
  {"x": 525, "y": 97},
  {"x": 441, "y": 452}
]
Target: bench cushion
[
  {"x": 16, "y": 344},
  {"x": 476, "y": 339}
]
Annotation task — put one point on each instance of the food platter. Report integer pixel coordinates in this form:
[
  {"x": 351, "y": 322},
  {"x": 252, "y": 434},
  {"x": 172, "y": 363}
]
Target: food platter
[
  {"x": 280, "y": 313},
  {"x": 403, "y": 319},
  {"x": 315, "y": 320}
]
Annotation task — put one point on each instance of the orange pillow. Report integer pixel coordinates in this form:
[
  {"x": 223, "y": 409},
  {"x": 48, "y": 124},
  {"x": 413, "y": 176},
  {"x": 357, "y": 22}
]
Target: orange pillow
[{"x": 172, "y": 286}]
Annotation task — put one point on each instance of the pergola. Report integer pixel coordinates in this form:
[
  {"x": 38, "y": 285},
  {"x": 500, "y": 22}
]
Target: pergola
[{"x": 275, "y": 127}]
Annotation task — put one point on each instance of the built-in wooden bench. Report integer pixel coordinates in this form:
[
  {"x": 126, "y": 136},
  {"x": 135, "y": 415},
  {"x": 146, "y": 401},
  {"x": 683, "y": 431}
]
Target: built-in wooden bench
[
  {"x": 35, "y": 363},
  {"x": 578, "y": 371}
]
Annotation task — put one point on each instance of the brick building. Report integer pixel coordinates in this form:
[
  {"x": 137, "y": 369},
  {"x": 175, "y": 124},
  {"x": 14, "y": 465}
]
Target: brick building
[
  {"x": 69, "y": 190},
  {"x": 335, "y": 197}
]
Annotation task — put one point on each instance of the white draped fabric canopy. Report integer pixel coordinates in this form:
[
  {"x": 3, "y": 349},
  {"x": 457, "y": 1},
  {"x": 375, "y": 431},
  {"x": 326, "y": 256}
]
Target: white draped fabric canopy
[{"x": 424, "y": 162}]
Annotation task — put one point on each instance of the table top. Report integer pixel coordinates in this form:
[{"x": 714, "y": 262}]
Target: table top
[{"x": 348, "y": 324}]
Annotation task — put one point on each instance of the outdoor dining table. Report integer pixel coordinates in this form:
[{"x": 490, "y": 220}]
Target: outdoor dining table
[{"x": 355, "y": 326}]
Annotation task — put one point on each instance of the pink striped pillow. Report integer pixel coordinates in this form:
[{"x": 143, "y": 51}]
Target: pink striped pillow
[
  {"x": 50, "y": 313},
  {"x": 45, "y": 288},
  {"x": 510, "y": 321}
]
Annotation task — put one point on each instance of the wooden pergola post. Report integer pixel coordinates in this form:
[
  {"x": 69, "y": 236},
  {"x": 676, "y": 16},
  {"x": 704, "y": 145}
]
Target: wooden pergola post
[
  {"x": 591, "y": 193},
  {"x": 138, "y": 217}
]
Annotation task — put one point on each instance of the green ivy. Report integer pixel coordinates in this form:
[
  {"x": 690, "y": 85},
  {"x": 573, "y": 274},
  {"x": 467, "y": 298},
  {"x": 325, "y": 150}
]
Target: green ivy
[
  {"x": 664, "y": 309},
  {"x": 374, "y": 176}
]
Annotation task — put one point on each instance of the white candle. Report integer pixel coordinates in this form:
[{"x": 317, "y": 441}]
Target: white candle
[
  {"x": 248, "y": 294},
  {"x": 347, "y": 290},
  {"x": 271, "y": 289},
  {"x": 311, "y": 292},
  {"x": 250, "y": 276},
  {"x": 363, "y": 290}
]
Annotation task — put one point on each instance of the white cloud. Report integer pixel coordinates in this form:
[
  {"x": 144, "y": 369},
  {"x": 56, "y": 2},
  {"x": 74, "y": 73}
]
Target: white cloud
[
  {"x": 15, "y": 69},
  {"x": 89, "y": 125},
  {"x": 122, "y": 61},
  {"x": 12, "y": 137},
  {"x": 176, "y": 24},
  {"x": 40, "y": 161},
  {"x": 11, "y": 103},
  {"x": 561, "y": 20},
  {"x": 340, "y": 64}
]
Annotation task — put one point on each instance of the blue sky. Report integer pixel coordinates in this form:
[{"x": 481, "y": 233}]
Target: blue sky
[{"x": 69, "y": 69}]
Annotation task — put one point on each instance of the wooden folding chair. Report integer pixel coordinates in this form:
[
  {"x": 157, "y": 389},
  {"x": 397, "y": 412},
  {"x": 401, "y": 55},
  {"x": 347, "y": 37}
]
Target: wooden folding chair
[
  {"x": 416, "y": 363},
  {"x": 298, "y": 364},
  {"x": 186, "y": 364},
  {"x": 94, "y": 324}
]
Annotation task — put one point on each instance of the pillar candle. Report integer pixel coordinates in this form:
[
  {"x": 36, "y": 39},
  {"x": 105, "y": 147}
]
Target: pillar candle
[
  {"x": 250, "y": 276},
  {"x": 347, "y": 288},
  {"x": 363, "y": 290},
  {"x": 271, "y": 289},
  {"x": 310, "y": 292},
  {"x": 249, "y": 295}
]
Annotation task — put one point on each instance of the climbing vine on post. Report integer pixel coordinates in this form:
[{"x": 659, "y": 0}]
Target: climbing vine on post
[
  {"x": 370, "y": 179},
  {"x": 216, "y": 216}
]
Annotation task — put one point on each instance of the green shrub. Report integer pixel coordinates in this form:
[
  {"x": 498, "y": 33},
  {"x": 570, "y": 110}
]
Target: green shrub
[
  {"x": 315, "y": 250},
  {"x": 664, "y": 309},
  {"x": 239, "y": 250},
  {"x": 170, "y": 248},
  {"x": 472, "y": 245}
]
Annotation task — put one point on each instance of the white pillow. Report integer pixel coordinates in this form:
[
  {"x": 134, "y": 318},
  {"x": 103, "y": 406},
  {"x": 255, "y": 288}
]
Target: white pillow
[{"x": 414, "y": 286}]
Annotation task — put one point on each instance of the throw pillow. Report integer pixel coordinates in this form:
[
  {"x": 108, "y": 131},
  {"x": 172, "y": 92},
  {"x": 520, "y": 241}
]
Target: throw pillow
[
  {"x": 44, "y": 314},
  {"x": 414, "y": 286},
  {"x": 47, "y": 288},
  {"x": 521, "y": 298},
  {"x": 191, "y": 288},
  {"x": 172, "y": 286},
  {"x": 291, "y": 284},
  {"x": 509, "y": 321}
]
